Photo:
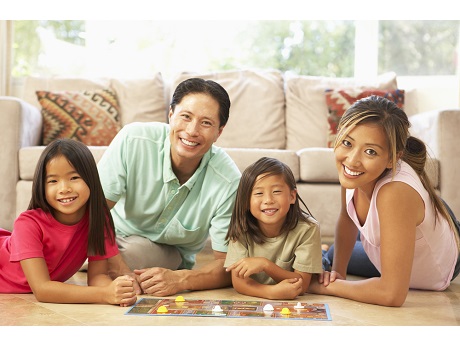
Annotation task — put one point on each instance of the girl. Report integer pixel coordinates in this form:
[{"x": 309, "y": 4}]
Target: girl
[
  {"x": 406, "y": 230},
  {"x": 274, "y": 247},
  {"x": 67, "y": 221}
]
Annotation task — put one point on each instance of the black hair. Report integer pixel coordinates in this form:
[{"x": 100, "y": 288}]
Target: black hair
[
  {"x": 242, "y": 222},
  {"x": 80, "y": 157},
  {"x": 209, "y": 87}
]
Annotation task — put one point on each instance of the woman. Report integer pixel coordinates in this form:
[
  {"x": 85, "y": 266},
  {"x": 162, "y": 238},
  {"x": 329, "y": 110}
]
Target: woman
[{"x": 405, "y": 228}]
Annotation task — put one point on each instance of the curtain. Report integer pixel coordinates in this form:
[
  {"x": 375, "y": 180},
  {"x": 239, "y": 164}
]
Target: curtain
[{"x": 6, "y": 56}]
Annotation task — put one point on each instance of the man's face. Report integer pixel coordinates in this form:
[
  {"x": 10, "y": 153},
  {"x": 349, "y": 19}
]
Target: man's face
[{"x": 195, "y": 126}]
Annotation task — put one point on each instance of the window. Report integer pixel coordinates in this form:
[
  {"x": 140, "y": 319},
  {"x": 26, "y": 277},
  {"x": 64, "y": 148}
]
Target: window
[
  {"x": 326, "y": 48},
  {"x": 414, "y": 48}
]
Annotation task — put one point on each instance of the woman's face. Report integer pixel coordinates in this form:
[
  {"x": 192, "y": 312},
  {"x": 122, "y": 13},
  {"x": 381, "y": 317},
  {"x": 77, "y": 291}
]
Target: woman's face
[{"x": 362, "y": 157}]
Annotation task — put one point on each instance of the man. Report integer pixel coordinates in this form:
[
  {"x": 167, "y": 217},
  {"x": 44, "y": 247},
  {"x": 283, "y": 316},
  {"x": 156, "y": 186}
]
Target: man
[{"x": 169, "y": 188}]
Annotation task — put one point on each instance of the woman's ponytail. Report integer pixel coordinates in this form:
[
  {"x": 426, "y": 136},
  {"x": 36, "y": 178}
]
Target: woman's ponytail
[{"x": 415, "y": 154}]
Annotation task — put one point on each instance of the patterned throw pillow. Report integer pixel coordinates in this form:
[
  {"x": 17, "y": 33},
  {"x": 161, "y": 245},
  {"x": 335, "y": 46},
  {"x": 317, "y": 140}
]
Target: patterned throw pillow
[
  {"x": 338, "y": 101},
  {"x": 92, "y": 117}
]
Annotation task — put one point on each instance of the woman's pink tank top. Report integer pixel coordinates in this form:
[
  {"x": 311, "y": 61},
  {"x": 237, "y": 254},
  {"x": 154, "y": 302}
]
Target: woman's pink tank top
[{"x": 436, "y": 250}]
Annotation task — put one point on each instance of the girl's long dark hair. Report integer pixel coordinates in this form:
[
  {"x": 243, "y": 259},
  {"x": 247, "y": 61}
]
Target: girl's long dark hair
[
  {"x": 81, "y": 158},
  {"x": 242, "y": 222}
]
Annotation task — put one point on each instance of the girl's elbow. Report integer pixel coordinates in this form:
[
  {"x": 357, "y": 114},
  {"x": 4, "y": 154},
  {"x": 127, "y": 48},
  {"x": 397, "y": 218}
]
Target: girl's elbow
[{"x": 41, "y": 296}]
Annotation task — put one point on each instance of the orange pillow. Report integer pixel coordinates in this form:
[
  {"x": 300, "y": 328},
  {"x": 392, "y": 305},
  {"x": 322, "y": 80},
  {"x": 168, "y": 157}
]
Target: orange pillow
[
  {"x": 338, "y": 101},
  {"x": 92, "y": 117}
]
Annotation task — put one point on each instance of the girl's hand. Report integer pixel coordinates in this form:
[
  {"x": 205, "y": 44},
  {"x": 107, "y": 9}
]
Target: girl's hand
[
  {"x": 287, "y": 289},
  {"x": 245, "y": 267},
  {"x": 121, "y": 291}
]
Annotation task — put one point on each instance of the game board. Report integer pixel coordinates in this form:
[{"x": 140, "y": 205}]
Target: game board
[{"x": 291, "y": 310}]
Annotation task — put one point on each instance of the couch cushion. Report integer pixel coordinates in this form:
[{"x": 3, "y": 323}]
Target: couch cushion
[
  {"x": 339, "y": 100},
  {"x": 245, "y": 157},
  {"x": 92, "y": 117},
  {"x": 142, "y": 100},
  {"x": 32, "y": 84},
  {"x": 257, "y": 118},
  {"x": 306, "y": 109},
  {"x": 323, "y": 201},
  {"x": 139, "y": 99},
  {"x": 29, "y": 156},
  {"x": 317, "y": 164}
]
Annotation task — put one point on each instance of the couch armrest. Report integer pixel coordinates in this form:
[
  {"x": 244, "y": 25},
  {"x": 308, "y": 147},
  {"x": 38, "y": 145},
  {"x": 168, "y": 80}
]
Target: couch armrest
[
  {"x": 20, "y": 126},
  {"x": 440, "y": 131}
]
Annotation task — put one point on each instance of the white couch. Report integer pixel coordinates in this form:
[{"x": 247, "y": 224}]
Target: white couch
[{"x": 272, "y": 114}]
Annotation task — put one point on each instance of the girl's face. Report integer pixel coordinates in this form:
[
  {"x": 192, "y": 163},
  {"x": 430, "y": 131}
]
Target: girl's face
[
  {"x": 65, "y": 191},
  {"x": 270, "y": 201},
  {"x": 362, "y": 157}
]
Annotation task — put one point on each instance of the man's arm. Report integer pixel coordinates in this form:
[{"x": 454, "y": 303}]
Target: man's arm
[
  {"x": 211, "y": 276},
  {"x": 164, "y": 282}
]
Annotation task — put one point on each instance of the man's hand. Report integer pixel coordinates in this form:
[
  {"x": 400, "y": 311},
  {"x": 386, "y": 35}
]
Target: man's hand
[{"x": 160, "y": 281}]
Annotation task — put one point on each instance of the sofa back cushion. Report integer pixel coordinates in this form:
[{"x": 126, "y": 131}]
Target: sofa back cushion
[
  {"x": 257, "y": 118},
  {"x": 243, "y": 157},
  {"x": 306, "y": 109},
  {"x": 140, "y": 100},
  {"x": 339, "y": 100},
  {"x": 92, "y": 117}
]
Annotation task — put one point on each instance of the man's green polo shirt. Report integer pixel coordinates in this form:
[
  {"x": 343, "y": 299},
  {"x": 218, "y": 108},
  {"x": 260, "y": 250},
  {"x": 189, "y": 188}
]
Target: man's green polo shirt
[{"x": 136, "y": 173}]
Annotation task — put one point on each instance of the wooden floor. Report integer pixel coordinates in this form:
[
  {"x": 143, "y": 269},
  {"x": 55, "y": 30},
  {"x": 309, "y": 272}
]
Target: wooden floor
[{"x": 421, "y": 308}]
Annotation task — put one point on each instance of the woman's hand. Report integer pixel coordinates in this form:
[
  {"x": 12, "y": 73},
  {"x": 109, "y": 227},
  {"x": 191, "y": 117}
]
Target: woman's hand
[
  {"x": 327, "y": 277},
  {"x": 318, "y": 286}
]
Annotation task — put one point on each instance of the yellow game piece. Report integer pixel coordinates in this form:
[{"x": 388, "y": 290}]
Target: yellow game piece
[
  {"x": 180, "y": 299},
  {"x": 285, "y": 311},
  {"x": 162, "y": 309}
]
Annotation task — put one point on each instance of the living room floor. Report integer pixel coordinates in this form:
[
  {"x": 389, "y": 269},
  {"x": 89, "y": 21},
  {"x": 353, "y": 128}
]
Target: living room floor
[{"x": 422, "y": 308}]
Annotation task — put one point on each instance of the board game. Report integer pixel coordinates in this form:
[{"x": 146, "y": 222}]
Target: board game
[{"x": 230, "y": 308}]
